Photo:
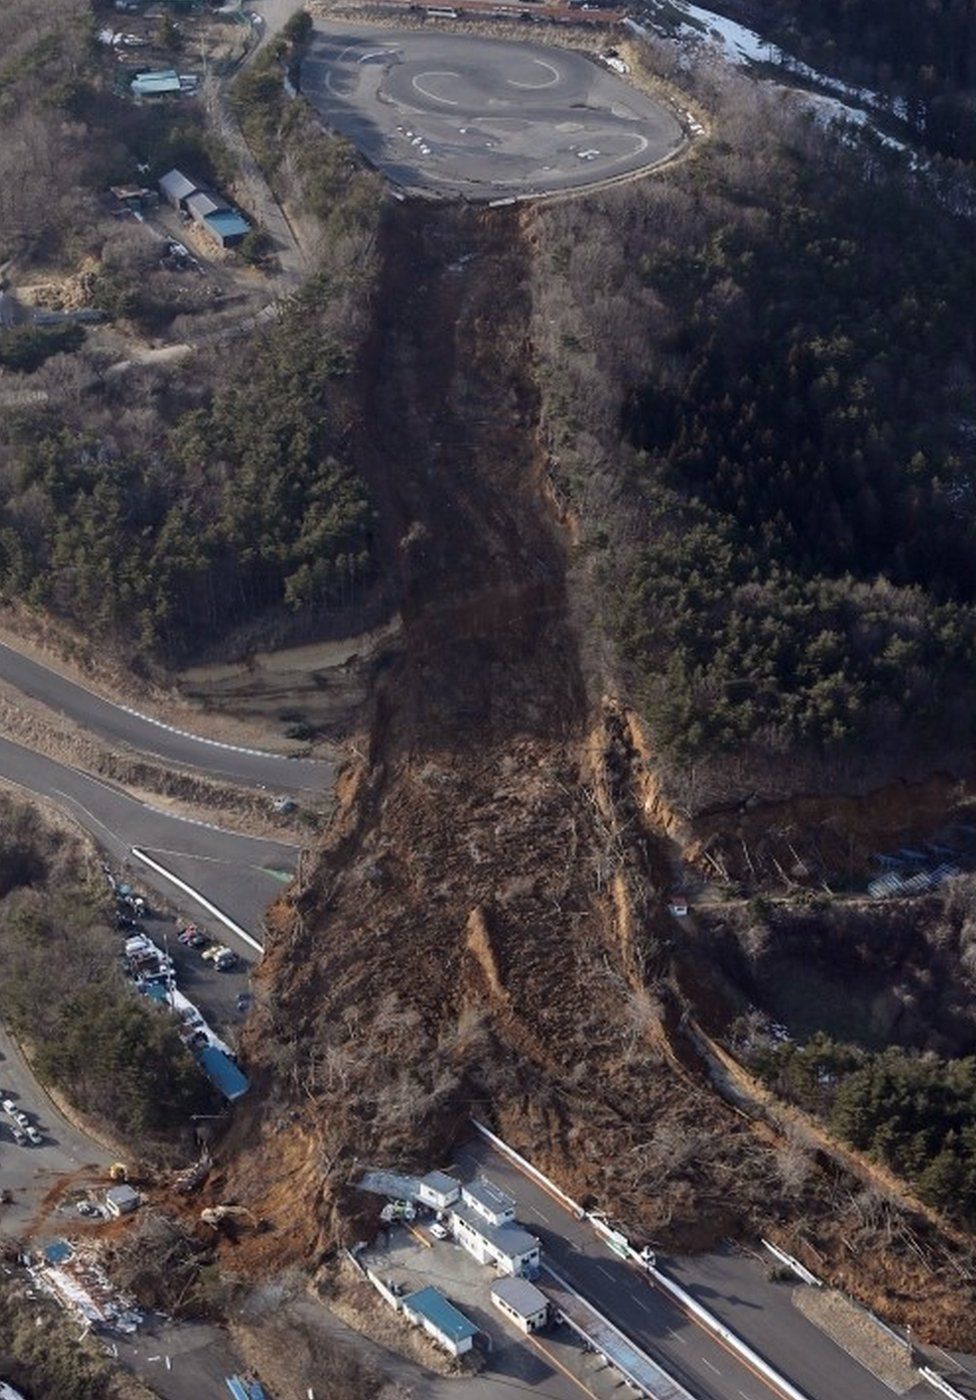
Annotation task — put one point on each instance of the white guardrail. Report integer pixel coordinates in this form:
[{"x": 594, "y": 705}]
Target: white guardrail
[
  {"x": 939, "y": 1383},
  {"x": 787, "y": 1260},
  {"x": 622, "y": 1246}
]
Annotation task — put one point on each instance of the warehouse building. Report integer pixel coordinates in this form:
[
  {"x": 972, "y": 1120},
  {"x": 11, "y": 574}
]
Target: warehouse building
[{"x": 441, "y": 1320}]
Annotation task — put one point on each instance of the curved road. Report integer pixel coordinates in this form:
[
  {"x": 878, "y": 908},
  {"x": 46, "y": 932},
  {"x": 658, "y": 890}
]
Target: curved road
[
  {"x": 122, "y": 725},
  {"x": 239, "y": 874}
]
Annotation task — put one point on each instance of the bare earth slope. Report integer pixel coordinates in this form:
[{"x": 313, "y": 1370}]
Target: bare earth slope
[{"x": 485, "y": 926}]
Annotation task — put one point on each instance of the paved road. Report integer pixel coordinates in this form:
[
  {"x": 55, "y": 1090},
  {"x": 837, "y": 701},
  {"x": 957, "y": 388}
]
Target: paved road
[
  {"x": 146, "y": 735},
  {"x": 761, "y": 1316},
  {"x": 449, "y": 114},
  {"x": 239, "y": 874}
]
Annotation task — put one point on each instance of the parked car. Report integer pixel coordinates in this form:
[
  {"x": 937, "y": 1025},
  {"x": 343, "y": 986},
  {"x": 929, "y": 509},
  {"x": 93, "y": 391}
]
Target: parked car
[
  {"x": 225, "y": 960},
  {"x": 243, "y": 1001},
  {"x": 9, "y": 1106},
  {"x": 20, "y": 1117},
  {"x": 20, "y": 1137},
  {"x": 188, "y": 934},
  {"x": 439, "y": 1231},
  {"x": 34, "y": 1136}
]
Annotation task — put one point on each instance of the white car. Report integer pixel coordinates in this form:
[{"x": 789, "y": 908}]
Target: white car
[
  {"x": 439, "y": 1231},
  {"x": 34, "y": 1136},
  {"x": 20, "y": 1137},
  {"x": 21, "y": 1118},
  {"x": 9, "y": 1106}
]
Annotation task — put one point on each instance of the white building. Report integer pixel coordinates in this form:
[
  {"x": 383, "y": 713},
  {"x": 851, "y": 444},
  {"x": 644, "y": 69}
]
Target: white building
[
  {"x": 440, "y": 1319},
  {"x": 521, "y": 1302},
  {"x": 493, "y": 1204},
  {"x": 437, "y": 1190},
  {"x": 483, "y": 1221}
]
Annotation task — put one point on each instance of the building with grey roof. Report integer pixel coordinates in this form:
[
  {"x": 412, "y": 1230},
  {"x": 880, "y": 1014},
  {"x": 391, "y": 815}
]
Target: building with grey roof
[
  {"x": 490, "y": 1201},
  {"x": 176, "y": 188},
  {"x": 507, "y": 1246},
  {"x": 200, "y": 204},
  {"x": 521, "y": 1302},
  {"x": 437, "y": 1190}
]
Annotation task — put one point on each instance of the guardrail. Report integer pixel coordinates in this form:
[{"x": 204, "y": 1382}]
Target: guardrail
[
  {"x": 940, "y": 1383},
  {"x": 200, "y": 899},
  {"x": 801, "y": 1271},
  {"x": 622, "y": 1246}
]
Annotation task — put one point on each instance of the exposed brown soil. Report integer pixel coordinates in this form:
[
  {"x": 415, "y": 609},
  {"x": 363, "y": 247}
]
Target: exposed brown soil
[{"x": 486, "y": 925}]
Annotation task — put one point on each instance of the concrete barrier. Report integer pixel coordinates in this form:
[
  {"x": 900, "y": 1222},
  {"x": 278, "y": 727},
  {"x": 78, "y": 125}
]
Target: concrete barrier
[{"x": 939, "y": 1383}]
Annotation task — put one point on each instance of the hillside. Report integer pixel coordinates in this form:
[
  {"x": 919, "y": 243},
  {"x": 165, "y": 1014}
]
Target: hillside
[
  {"x": 669, "y": 487},
  {"x": 487, "y": 921}
]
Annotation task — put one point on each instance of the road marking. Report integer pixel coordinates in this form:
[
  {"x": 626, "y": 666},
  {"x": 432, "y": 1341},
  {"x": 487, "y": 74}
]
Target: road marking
[
  {"x": 447, "y": 101},
  {"x": 540, "y": 1214},
  {"x": 57, "y": 792},
  {"x": 200, "y": 899},
  {"x": 418, "y": 1236},
  {"x": 677, "y": 1336},
  {"x": 550, "y": 82},
  {"x": 605, "y": 1272},
  {"x": 559, "y": 1365},
  {"x": 711, "y": 1366},
  {"x": 148, "y": 719}
]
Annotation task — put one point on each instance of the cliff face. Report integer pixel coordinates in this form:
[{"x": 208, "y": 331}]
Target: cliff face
[{"x": 485, "y": 926}]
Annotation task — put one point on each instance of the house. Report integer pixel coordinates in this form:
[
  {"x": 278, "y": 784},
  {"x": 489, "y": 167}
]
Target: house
[
  {"x": 158, "y": 84},
  {"x": 510, "y": 1248},
  {"x": 521, "y": 1302},
  {"x": 121, "y": 1200},
  {"x": 429, "y": 1309},
  {"x": 176, "y": 188},
  {"x": 437, "y": 1190}
]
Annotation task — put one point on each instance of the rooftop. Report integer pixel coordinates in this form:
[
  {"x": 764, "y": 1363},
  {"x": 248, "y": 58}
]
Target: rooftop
[
  {"x": 167, "y": 80},
  {"x": 431, "y": 1304},
  {"x": 176, "y": 185},
  {"x": 200, "y": 204},
  {"x": 511, "y": 1239},
  {"x": 440, "y": 1181},
  {"x": 489, "y": 1196},
  {"x": 520, "y": 1294},
  {"x": 226, "y": 222}
]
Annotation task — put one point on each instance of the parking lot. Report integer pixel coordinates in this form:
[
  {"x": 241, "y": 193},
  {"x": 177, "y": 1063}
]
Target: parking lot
[
  {"x": 451, "y": 114},
  {"x": 552, "y": 1362}
]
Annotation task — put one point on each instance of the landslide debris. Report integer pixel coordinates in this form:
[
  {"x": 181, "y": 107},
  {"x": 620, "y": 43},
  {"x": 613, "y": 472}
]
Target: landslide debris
[{"x": 486, "y": 923}]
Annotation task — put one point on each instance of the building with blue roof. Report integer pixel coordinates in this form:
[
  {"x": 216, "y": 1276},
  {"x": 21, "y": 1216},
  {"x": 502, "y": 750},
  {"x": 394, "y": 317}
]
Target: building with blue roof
[
  {"x": 429, "y": 1309},
  {"x": 226, "y": 226}
]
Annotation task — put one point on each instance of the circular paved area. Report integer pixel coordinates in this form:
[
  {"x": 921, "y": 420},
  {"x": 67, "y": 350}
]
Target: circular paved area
[{"x": 453, "y": 115}]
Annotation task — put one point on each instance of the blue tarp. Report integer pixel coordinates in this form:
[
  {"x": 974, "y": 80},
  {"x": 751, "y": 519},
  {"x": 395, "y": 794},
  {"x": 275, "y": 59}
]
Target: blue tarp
[
  {"x": 224, "y": 1073},
  {"x": 58, "y": 1251}
]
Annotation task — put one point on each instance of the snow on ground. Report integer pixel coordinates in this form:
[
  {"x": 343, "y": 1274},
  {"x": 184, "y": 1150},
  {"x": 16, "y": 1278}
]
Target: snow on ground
[{"x": 743, "y": 47}]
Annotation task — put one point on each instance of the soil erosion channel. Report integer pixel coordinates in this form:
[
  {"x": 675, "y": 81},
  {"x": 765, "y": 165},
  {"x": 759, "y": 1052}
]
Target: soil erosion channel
[{"x": 486, "y": 913}]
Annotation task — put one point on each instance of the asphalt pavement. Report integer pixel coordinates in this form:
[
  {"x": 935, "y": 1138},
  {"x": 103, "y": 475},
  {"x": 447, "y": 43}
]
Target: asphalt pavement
[
  {"x": 147, "y": 735},
  {"x": 454, "y": 114},
  {"x": 238, "y": 874},
  {"x": 760, "y": 1313}
]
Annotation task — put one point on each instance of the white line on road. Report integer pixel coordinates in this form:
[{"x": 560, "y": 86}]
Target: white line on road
[
  {"x": 447, "y": 101},
  {"x": 56, "y": 792},
  {"x": 677, "y": 1336},
  {"x": 711, "y": 1366},
  {"x": 605, "y": 1272},
  {"x": 200, "y": 899},
  {"x": 550, "y": 82}
]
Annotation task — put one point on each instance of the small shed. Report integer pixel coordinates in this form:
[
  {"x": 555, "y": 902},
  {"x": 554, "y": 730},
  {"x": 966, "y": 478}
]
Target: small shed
[
  {"x": 158, "y": 84},
  {"x": 438, "y": 1190},
  {"x": 441, "y": 1320},
  {"x": 226, "y": 226},
  {"x": 521, "y": 1302},
  {"x": 200, "y": 204},
  {"x": 176, "y": 188},
  {"x": 121, "y": 1200}
]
